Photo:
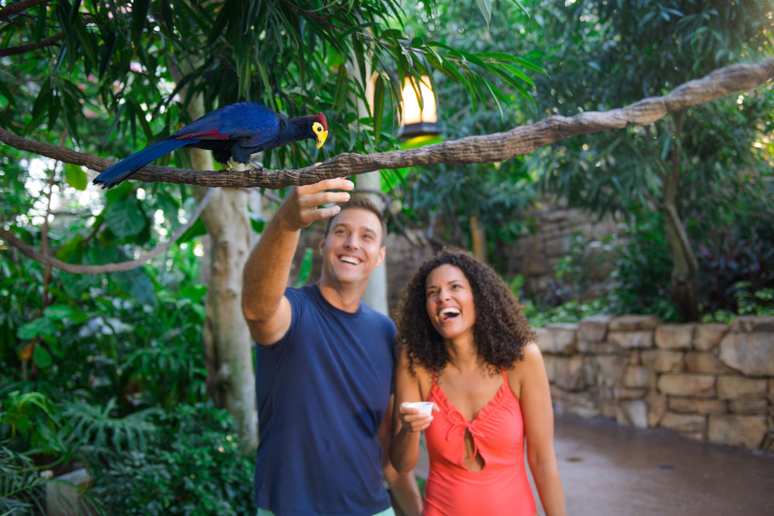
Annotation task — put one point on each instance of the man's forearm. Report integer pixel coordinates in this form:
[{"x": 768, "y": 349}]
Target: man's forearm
[
  {"x": 267, "y": 270},
  {"x": 404, "y": 489}
]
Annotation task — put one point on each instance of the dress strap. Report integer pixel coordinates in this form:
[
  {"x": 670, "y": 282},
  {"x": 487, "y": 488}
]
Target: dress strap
[{"x": 505, "y": 376}]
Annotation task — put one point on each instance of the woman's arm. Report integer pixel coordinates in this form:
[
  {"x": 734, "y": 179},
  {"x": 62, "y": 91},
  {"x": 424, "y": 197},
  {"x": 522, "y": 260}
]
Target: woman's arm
[
  {"x": 535, "y": 401},
  {"x": 407, "y": 422},
  {"x": 403, "y": 487}
]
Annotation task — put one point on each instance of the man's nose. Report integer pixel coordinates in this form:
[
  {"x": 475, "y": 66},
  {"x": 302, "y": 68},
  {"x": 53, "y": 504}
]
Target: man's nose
[{"x": 352, "y": 242}]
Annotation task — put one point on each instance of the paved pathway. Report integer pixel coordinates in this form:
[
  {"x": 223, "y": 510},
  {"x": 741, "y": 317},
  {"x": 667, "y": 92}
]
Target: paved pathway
[{"x": 613, "y": 470}]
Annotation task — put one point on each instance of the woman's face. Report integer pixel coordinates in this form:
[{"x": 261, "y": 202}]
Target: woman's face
[{"x": 449, "y": 302}]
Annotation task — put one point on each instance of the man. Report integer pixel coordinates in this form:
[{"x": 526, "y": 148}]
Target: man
[{"x": 324, "y": 364}]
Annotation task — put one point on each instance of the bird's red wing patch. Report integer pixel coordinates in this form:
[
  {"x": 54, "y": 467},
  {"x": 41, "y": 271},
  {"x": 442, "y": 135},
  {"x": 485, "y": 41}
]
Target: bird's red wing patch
[{"x": 212, "y": 134}]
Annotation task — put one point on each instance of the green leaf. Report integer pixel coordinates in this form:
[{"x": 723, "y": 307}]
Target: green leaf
[
  {"x": 378, "y": 108},
  {"x": 55, "y": 346},
  {"x": 106, "y": 53},
  {"x": 42, "y": 101},
  {"x": 124, "y": 218},
  {"x": 5, "y": 92},
  {"x": 139, "y": 17},
  {"x": 305, "y": 269},
  {"x": 88, "y": 44},
  {"x": 518, "y": 73},
  {"x": 258, "y": 224},
  {"x": 71, "y": 41},
  {"x": 58, "y": 312},
  {"x": 138, "y": 285},
  {"x": 357, "y": 44},
  {"x": 42, "y": 326},
  {"x": 41, "y": 357},
  {"x": 76, "y": 177},
  {"x": 193, "y": 292},
  {"x": 76, "y": 285},
  {"x": 40, "y": 24},
  {"x": 521, "y": 6},
  {"x": 342, "y": 90},
  {"x": 166, "y": 12},
  {"x": 64, "y": 252},
  {"x": 197, "y": 229},
  {"x": 226, "y": 12},
  {"x": 485, "y": 6}
]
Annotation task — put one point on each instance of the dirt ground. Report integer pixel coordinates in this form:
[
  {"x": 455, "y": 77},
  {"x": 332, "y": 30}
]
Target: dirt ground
[{"x": 608, "y": 469}]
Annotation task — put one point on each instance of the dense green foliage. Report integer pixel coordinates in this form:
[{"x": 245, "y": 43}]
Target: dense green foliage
[{"x": 106, "y": 371}]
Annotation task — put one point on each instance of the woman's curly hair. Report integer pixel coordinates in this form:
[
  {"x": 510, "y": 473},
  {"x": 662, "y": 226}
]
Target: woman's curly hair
[{"x": 500, "y": 332}]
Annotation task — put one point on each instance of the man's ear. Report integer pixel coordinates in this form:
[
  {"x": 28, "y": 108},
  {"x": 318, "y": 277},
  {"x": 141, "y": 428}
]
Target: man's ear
[
  {"x": 382, "y": 254},
  {"x": 321, "y": 247}
]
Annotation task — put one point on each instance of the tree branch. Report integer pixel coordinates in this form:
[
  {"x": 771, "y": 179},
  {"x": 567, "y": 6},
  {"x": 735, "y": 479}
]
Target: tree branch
[
  {"x": 29, "y": 47},
  {"x": 472, "y": 149},
  {"x": 110, "y": 267},
  {"x": 19, "y": 7}
]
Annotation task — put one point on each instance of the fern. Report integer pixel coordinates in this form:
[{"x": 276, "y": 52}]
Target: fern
[
  {"x": 20, "y": 485},
  {"x": 93, "y": 425}
]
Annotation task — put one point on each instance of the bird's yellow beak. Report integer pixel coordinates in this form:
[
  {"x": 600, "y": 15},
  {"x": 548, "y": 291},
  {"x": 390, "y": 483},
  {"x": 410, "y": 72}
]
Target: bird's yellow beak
[{"x": 321, "y": 139}]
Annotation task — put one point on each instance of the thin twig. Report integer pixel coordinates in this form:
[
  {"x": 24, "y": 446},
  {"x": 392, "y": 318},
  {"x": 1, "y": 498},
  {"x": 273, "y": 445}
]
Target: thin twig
[
  {"x": 29, "y": 47},
  {"x": 19, "y": 7},
  {"x": 110, "y": 267}
]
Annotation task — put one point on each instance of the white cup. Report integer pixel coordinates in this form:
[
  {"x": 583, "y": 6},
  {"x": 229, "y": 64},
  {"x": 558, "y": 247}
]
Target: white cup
[{"x": 425, "y": 407}]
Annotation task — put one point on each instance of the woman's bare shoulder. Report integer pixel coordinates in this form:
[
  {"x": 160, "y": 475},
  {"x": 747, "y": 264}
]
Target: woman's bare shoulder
[
  {"x": 403, "y": 363},
  {"x": 532, "y": 358}
]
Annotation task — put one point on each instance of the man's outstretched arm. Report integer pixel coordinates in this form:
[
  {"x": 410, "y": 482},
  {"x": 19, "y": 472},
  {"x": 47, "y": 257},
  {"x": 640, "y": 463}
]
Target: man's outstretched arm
[{"x": 267, "y": 269}]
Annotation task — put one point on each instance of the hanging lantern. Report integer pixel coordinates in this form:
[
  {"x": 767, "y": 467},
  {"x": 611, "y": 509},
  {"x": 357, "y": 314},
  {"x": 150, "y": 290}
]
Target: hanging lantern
[{"x": 416, "y": 121}]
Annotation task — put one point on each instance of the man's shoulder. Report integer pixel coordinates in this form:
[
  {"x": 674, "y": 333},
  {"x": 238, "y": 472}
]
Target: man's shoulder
[{"x": 378, "y": 319}]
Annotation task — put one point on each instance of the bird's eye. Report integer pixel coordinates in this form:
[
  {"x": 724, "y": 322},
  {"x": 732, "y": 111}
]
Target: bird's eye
[{"x": 316, "y": 127}]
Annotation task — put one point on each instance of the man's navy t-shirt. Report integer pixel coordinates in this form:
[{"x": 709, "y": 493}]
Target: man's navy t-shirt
[{"x": 323, "y": 390}]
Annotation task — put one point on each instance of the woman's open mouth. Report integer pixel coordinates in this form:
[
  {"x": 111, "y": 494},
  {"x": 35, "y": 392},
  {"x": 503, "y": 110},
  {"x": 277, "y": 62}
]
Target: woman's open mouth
[{"x": 448, "y": 314}]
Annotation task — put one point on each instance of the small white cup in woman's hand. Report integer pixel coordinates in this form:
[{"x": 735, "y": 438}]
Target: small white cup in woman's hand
[{"x": 425, "y": 407}]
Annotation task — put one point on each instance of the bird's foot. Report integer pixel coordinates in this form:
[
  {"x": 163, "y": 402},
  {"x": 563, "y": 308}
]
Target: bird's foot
[
  {"x": 256, "y": 166},
  {"x": 228, "y": 167}
]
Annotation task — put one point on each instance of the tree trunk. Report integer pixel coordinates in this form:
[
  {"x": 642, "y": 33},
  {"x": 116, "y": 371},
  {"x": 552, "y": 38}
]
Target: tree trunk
[
  {"x": 683, "y": 268},
  {"x": 478, "y": 237},
  {"x": 684, "y": 265},
  {"x": 227, "y": 341},
  {"x": 375, "y": 294},
  {"x": 226, "y": 338}
]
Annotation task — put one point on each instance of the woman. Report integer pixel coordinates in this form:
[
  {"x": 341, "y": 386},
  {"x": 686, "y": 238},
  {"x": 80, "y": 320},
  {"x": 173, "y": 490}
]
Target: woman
[{"x": 465, "y": 345}]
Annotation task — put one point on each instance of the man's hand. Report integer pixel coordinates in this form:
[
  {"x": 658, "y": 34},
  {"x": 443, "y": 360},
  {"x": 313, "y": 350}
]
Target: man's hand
[
  {"x": 266, "y": 310},
  {"x": 301, "y": 208}
]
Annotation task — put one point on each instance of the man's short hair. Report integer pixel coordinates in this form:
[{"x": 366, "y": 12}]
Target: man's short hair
[{"x": 361, "y": 202}]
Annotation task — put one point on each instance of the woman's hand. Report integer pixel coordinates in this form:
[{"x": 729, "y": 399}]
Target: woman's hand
[{"x": 412, "y": 420}]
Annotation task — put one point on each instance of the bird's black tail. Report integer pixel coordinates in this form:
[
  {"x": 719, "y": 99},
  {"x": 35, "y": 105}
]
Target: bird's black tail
[{"x": 113, "y": 175}]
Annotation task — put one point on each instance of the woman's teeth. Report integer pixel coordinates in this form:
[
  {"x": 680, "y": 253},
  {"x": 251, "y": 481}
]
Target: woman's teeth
[{"x": 449, "y": 313}]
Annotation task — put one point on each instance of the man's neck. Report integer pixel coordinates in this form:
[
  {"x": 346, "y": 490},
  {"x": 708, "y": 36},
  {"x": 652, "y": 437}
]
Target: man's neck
[{"x": 345, "y": 297}]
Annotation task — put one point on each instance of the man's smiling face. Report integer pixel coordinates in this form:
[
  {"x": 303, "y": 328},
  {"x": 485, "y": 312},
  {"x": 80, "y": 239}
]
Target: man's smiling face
[{"x": 353, "y": 246}]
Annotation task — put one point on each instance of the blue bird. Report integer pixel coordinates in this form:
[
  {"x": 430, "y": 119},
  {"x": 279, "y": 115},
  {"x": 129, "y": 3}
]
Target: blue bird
[{"x": 234, "y": 131}]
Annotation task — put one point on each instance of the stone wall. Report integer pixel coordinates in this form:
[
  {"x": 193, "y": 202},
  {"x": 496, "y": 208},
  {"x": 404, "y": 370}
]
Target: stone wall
[
  {"x": 535, "y": 254},
  {"x": 710, "y": 382}
]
